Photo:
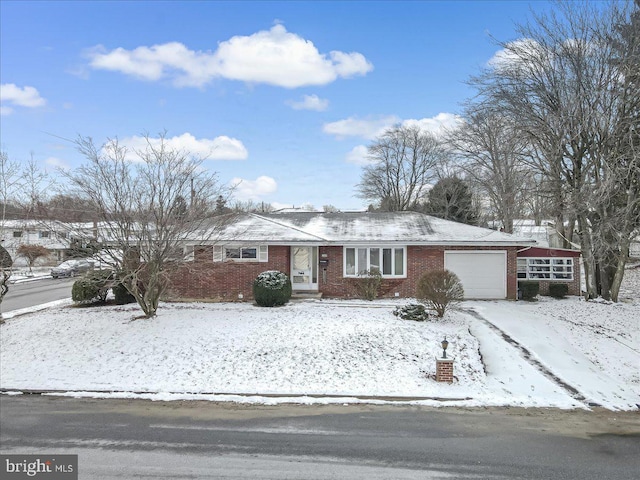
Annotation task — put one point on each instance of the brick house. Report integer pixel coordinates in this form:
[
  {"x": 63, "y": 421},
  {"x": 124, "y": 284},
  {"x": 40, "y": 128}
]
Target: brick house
[{"x": 324, "y": 253}]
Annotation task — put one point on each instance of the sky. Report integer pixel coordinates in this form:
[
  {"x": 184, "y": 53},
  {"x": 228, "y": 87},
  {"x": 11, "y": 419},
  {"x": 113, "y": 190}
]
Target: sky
[{"x": 282, "y": 98}]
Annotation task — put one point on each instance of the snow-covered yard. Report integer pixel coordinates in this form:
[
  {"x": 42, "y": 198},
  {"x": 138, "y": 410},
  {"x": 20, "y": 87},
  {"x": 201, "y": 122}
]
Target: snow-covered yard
[{"x": 334, "y": 349}]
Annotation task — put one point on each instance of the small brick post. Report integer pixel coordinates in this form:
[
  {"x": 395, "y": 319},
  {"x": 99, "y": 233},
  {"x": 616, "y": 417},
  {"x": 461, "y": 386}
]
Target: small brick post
[{"x": 444, "y": 370}]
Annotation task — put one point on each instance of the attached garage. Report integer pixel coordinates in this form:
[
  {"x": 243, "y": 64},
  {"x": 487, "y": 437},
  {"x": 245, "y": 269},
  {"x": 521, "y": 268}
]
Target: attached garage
[{"x": 483, "y": 273}]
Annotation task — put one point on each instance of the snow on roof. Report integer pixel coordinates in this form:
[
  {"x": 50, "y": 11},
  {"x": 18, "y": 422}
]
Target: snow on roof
[{"x": 361, "y": 227}]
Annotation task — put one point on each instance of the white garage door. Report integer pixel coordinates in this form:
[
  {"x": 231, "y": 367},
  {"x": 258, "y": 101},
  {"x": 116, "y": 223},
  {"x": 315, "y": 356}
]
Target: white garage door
[{"x": 483, "y": 273}]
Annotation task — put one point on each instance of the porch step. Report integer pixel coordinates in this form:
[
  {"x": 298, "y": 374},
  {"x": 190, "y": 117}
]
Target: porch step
[{"x": 304, "y": 295}]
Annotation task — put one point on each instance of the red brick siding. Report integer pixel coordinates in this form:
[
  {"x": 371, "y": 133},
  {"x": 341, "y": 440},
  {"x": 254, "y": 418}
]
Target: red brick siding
[
  {"x": 420, "y": 259},
  {"x": 208, "y": 280},
  {"x": 226, "y": 280}
]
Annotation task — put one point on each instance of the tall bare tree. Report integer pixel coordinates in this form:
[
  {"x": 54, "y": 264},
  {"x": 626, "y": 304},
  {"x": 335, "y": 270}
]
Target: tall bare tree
[
  {"x": 491, "y": 151},
  {"x": 568, "y": 83},
  {"x": 404, "y": 163},
  {"x": 140, "y": 206}
]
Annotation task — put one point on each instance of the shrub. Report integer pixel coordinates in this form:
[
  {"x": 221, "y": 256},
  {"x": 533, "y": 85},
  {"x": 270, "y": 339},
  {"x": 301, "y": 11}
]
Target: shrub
[
  {"x": 122, "y": 295},
  {"x": 558, "y": 290},
  {"x": 271, "y": 289},
  {"x": 529, "y": 289},
  {"x": 93, "y": 287},
  {"x": 413, "y": 311},
  {"x": 369, "y": 284},
  {"x": 439, "y": 290}
]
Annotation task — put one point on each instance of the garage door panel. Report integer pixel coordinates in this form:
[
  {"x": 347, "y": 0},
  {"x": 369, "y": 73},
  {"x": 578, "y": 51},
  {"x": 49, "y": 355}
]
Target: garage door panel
[{"x": 483, "y": 274}]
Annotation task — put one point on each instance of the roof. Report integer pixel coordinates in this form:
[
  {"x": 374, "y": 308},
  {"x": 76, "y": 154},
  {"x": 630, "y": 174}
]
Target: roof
[{"x": 341, "y": 228}]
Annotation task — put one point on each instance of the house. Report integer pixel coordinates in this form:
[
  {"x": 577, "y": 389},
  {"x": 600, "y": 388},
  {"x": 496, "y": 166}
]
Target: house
[
  {"x": 326, "y": 252},
  {"x": 52, "y": 235}
]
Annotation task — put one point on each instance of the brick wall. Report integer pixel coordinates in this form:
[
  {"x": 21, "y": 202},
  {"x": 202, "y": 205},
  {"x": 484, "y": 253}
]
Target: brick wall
[
  {"x": 225, "y": 281},
  {"x": 420, "y": 259},
  {"x": 204, "y": 279}
]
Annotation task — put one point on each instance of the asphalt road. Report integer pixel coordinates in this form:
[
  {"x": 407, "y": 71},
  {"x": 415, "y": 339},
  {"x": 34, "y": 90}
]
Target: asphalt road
[
  {"x": 36, "y": 292},
  {"x": 118, "y": 439}
]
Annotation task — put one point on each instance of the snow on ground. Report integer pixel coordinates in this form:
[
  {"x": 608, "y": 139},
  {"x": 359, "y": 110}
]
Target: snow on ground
[
  {"x": 335, "y": 349},
  {"x": 592, "y": 346}
]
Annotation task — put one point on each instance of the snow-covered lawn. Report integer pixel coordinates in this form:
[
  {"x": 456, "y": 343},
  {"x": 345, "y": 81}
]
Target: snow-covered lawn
[{"x": 331, "y": 348}]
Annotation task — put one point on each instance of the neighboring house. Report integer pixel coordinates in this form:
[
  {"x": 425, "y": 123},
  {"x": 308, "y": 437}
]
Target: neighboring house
[
  {"x": 50, "y": 234},
  {"x": 545, "y": 234},
  {"x": 326, "y": 252}
]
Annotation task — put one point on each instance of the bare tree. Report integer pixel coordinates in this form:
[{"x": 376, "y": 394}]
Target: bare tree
[
  {"x": 140, "y": 207},
  {"x": 32, "y": 253},
  {"x": 252, "y": 207},
  {"x": 569, "y": 83},
  {"x": 35, "y": 187},
  {"x": 491, "y": 151},
  {"x": 404, "y": 163},
  {"x": 9, "y": 184}
]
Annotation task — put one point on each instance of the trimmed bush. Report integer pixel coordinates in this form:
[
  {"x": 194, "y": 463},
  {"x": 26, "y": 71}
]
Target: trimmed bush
[
  {"x": 558, "y": 290},
  {"x": 413, "y": 311},
  {"x": 369, "y": 284},
  {"x": 93, "y": 287},
  {"x": 122, "y": 295},
  {"x": 271, "y": 289},
  {"x": 439, "y": 290},
  {"x": 529, "y": 289}
]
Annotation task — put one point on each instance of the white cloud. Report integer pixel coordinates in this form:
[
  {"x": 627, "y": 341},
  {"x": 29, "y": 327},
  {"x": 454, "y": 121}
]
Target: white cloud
[
  {"x": 517, "y": 57},
  {"x": 275, "y": 57},
  {"x": 28, "y": 97},
  {"x": 358, "y": 156},
  {"x": 436, "y": 125},
  {"x": 368, "y": 128},
  {"x": 219, "y": 148},
  {"x": 309, "y": 102},
  {"x": 253, "y": 189},
  {"x": 372, "y": 127},
  {"x": 57, "y": 163}
]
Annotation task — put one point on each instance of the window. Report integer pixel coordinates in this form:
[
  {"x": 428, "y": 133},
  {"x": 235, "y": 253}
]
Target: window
[
  {"x": 17, "y": 234},
  {"x": 203, "y": 253},
  {"x": 44, "y": 234},
  {"x": 390, "y": 261},
  {"x": 253, "y": 253},
  {"x": 545, "y": 268},
  {"x": 241, "y": 253}
]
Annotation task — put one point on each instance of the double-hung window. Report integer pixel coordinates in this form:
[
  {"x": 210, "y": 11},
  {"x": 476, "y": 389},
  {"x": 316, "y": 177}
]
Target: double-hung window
[
  {"x": 545, "y": 268},
  {"x": 389, "y": 261}
]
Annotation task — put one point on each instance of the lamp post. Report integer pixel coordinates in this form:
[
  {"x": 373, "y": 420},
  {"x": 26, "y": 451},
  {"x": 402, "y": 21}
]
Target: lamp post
[{"x": 444, "y": 344}]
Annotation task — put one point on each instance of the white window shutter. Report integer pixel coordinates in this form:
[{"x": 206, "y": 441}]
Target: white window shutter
[
  {"x": 263, "y": 253},
  {"x": 217, "y": 253}
]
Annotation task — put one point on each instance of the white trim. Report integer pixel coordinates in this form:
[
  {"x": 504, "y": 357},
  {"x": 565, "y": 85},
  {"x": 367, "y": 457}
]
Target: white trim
[
  {"x": 313, "y": 269},
  {"x": 565, "y": 263},
  {"x": 356, "y": 273}
]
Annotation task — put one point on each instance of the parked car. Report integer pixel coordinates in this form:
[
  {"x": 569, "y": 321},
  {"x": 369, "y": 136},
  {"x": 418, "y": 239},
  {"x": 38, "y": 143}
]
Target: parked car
[{"x": 71, "y": 268}]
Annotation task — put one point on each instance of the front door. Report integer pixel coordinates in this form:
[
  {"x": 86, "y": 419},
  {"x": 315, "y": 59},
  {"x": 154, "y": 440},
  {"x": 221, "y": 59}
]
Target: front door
[{"x": 304, "y": 268}]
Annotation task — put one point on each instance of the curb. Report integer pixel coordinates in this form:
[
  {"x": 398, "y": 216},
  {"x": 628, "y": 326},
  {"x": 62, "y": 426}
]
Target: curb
[{"x": 342, "y": 398}]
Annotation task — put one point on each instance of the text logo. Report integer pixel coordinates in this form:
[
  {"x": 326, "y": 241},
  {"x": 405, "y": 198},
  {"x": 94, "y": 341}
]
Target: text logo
[{"x": 50, "y": 467}]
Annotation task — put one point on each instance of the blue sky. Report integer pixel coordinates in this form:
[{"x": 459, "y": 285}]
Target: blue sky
[{"x": 282, "y": 96}]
